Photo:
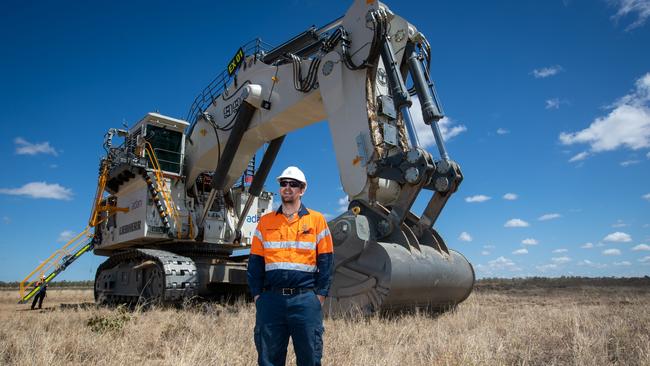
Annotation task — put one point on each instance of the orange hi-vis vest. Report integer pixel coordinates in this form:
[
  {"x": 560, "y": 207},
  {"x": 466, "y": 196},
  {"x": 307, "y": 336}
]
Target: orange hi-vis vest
[{"x": 291, "y": 253}]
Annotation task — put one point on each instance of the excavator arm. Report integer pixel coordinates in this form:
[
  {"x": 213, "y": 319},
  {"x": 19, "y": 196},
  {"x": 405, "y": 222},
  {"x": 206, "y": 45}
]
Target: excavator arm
[{"x": 352, "y": 73}]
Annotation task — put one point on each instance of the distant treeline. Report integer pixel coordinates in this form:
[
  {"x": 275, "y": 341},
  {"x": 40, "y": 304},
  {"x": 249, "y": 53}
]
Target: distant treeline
[
  {"x": 54, "y": 284},
  {"x": 484, "y": 283},
  {"x": 560, "y": 282}
]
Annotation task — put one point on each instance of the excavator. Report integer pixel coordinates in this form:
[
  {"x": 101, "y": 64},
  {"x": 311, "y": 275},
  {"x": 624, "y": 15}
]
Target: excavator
[{"x": 177, "y": 201}]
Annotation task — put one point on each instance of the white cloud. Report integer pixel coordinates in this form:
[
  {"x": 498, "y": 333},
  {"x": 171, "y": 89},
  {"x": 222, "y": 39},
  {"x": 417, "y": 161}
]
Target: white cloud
[
  {"x": 561, "y": 250},
  {"x": 502, "y": 263},
  {"x": 485, "y": 252},
  {"x": 549, "y": 216},
  {"x": 513, "y": 196},
  {"x": 65, "y": 236},
  {"x": 529, "y": 241},
  {"x": 448, "y": 128},
  {"x": 546, "y": 267},
  {"x": 642, "y": 247},
  {"x": 6, "y": 220},
  {"x": 627, "y": 163},
  {"x": 464, "y": 236},
  {"x": 639, "y": 9},
  {"x": 579, "y": 157},
  {"x": 561, "y": 260},
  {"x": 489, "y": 246},
  {"x": 611, "y": 252},
  {"x": 545, "y": 72},
  {"x": 343, "y": 204},
  {"x": 516, "y": 223},
  {"x": 618, "y": 237},
  {"x": 553, "y": 103},
  {"x": 40, "y": 190},
  {"x": 645, "y": 259},
  {"x": 589, "y": 263},
  {"x": 502, "y": 131},
  {"x": 623, "y": 263},
  {"x": 587, "y": 246},
  {"x": 627, "y": 125},
  {"x": 646, "y": 196},
  {"x": 520, "y": 251},
  {"x": 619, "y": 223},
  {"x": 24, "y": 147},
  {"x": 477, "y": 198}
]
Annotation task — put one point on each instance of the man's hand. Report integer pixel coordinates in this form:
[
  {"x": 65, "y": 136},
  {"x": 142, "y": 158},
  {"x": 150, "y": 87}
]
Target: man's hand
[
  {"x": 255, "y": 298},
  {"x": 321, "y": 298}
]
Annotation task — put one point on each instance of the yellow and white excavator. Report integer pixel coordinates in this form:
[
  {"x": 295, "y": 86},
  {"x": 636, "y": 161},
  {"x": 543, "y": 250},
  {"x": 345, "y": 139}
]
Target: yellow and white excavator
[{"x": 178, "y": 201}]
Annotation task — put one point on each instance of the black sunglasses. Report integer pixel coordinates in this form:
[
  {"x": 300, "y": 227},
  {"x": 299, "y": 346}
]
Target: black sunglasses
[{"x": 290, "y": 183}]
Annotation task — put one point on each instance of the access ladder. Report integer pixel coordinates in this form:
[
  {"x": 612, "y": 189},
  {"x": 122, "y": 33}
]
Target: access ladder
[{"x": 55, "y": 264}]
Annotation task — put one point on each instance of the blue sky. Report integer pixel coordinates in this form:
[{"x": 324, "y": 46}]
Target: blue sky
[{"x": 547, "y": 104}]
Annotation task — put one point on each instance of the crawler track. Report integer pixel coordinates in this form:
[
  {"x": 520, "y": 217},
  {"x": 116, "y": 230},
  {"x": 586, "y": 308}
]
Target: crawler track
[{"x": 145, "y": 276}]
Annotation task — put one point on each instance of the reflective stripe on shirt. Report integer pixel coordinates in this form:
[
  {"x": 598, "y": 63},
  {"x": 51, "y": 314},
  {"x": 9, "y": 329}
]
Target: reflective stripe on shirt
[
  {"x": 290, "y": 266},
  {"x": 258, "y": 234},
  {"x": 322, "y": 234},
  {"x": 289, "y": 245}
]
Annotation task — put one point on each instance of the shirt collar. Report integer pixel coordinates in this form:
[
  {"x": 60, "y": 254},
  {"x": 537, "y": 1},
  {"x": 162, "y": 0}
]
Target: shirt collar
[{"x": 301, "y": 212}]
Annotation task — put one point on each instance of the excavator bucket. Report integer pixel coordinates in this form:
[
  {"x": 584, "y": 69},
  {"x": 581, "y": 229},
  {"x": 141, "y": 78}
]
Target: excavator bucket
[{"x": 377, "y": 276}]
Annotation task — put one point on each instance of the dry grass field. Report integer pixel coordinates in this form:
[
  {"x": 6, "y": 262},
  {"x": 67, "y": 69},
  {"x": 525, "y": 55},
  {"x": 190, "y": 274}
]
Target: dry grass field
[{"x": 497, "y": 325}]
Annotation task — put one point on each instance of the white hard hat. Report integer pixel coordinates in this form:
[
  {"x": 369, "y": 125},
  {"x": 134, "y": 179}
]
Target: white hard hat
[{"x": 293, "y": 172}]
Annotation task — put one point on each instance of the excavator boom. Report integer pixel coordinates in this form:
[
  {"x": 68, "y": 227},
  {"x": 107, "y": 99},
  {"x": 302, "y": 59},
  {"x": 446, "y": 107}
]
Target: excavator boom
[{"x": 182, "y": 198}]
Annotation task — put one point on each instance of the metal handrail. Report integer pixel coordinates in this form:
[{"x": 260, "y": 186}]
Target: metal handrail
[
  {"x": 54, "y": 262},
  {"x": 256, "y": 48},
  {"x": 162, "y": 188}
]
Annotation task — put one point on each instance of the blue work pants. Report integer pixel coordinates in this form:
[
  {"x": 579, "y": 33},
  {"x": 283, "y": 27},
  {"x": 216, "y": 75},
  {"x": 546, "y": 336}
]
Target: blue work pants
[{"x": 279, "y": 317}]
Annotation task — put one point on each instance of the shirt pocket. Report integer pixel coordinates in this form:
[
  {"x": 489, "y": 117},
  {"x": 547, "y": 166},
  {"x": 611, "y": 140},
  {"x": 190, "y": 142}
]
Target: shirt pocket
[
  {"x": 307, "y": 237},
  {"x": 273, "y": 234}
]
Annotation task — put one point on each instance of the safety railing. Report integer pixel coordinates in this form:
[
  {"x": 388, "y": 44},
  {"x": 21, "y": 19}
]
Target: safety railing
[
  {"x": 256, "y": 48},
  {"x": 73, "y": 249},
  {"x": 162, "y": 188},
  {"x": 51, "y": 265}
]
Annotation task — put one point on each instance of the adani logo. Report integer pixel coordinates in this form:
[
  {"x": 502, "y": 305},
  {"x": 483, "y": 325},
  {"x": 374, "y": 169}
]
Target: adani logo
[{"x": 253, "y": 218}]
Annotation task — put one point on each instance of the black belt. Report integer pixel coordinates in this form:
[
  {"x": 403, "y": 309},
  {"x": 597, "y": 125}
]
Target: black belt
[{"x": 288, "y": 291}]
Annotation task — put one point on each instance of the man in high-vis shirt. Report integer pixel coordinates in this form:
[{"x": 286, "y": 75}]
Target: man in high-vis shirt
[{"x": 289, "y": 275}]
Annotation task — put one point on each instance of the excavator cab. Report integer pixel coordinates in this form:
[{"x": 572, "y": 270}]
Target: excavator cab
[{"x": 167, "y": 144}]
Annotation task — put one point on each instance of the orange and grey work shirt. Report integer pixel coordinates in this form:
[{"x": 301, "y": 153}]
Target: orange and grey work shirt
[{"x": 295, "y": 253}]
